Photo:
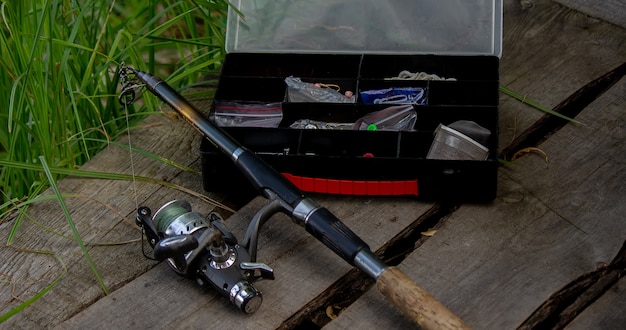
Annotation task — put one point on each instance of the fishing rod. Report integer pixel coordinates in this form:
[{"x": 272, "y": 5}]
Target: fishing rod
[{"x": 206, "y": 251}]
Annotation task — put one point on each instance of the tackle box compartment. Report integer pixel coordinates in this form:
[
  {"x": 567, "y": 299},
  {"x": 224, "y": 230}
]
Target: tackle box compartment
[{"x": 358, "y": 46}]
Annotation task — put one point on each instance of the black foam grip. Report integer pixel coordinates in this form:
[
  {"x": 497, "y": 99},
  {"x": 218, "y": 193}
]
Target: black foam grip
[{"x": 334, "y": 234}]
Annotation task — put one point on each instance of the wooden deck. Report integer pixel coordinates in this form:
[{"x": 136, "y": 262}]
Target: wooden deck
[{"x": 547, "y": 253}]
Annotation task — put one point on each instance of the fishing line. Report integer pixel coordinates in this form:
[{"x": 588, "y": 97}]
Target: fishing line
[
  {"x": 166, "y": 215},
  {"x": 123, "y": 74},
  {"x": 130, "y": 153},
  {"x": 132, "y": 172},
  {"x": 126, "y": 97}
]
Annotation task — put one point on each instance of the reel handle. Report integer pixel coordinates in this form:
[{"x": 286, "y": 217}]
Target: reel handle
[
  {"x": 416, "y": 302},
  {"x": 175, "y": 246}
]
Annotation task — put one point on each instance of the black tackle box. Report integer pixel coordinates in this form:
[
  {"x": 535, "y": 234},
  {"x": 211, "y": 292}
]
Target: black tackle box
[{"x": 360, "y": 46}]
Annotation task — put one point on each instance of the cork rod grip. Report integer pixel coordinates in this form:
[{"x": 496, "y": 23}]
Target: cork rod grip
[{"x": 415, "y": 302}]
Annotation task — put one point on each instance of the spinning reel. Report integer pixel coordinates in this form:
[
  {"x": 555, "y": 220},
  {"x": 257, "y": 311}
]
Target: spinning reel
[{"x": 204, "y": 250}]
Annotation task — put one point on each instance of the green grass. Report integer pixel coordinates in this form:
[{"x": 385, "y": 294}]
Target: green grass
[
  {"x": 72, "y": 225},
  {"x": 506, "y": 91},
  {"x": 57, "y": 73},
  {"x": 58, "y": 88},
  {"x": 59, "y": 61}
]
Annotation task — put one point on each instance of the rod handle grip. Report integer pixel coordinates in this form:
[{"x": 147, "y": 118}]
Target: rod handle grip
[{"x": 416, "y": 302}]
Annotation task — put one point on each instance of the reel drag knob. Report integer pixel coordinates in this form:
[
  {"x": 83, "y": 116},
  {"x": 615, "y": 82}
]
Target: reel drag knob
[{"x": 246, "y": 297}]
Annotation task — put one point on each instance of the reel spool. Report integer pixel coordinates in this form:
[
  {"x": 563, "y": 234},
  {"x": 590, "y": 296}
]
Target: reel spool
[
  {"x": 176, "y": 218},
  {"x": 181, "y": 230}
]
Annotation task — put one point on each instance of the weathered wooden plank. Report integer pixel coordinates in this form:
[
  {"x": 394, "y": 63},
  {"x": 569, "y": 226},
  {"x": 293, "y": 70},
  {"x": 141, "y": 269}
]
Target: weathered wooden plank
[
  {"x": 606, "y": 313},
  {"x": 494, "y": 265},
  {"x": 519, "y": 72},
  {"x": 612, "y": 11},
  {"x": 544, "y": 65},
  {"x": 549, "y": 52},
  {"x": 103, "y": 213},
  {"x": 303, "y": 268}
]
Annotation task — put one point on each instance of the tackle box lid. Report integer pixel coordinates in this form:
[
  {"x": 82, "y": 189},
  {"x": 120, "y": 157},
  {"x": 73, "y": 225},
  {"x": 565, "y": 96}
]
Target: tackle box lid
[{"x": 439, "y": 27}]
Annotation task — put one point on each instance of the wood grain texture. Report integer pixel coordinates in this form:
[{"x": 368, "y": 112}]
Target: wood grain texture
[
  {"x": 493, "y": 265},
  {"x": 613, "y": 11},
  {"x": 606, "y": 313},
  {"x": 103, "y": 213},
  {"x": 303, "y": 268},
  {"x": 549, "y": 52}
]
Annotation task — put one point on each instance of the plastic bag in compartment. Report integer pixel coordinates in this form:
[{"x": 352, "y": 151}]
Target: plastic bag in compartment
[
  {"x": 461, "y": 140},
  {"x": 239, "y": 114},
  {"x": 395, "y": 118},
  {"x": 395, "y": 95},
  {"x": 299, "y": 91},
  {"x": 316, "y": 124}
]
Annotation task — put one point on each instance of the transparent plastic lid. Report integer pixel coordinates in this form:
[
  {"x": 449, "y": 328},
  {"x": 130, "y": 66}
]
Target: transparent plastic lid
[{"x": 450, "y": 27}]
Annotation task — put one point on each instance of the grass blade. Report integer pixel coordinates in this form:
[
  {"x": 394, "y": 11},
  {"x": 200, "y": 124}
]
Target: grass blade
[
  {"x": 20, "y": 217},
  {"x": 39, "y": 294},
  {"x": 148, "y": 155},
  {"x": 505, "y": 90},
  {"x": 112, "y": 176},
  {"x": 72, "y": 225}
]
